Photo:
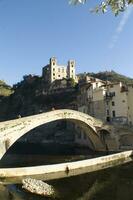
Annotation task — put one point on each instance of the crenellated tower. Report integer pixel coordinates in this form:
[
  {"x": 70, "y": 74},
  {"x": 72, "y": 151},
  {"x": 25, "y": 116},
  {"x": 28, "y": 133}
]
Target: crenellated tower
[{"x": 71, "y": 69}]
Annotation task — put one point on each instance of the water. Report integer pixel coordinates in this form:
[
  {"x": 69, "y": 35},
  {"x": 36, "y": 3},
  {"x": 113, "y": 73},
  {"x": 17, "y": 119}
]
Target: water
[{"x": 111, "y": 184}]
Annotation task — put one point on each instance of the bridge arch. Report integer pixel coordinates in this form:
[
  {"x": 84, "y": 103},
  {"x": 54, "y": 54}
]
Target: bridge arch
[{"x": 12, "y": 130}]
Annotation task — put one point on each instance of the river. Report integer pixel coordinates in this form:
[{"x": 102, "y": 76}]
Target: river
[{"x": 111, "y": 184}]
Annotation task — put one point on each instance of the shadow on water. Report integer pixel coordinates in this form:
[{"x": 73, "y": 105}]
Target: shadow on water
[
  {"x": 26, "y": 154},
  {"x": 51, "y": 143}
]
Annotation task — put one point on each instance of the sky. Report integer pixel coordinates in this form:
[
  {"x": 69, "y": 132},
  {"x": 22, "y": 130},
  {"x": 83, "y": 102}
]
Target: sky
[{"x": 32, "y": 31}]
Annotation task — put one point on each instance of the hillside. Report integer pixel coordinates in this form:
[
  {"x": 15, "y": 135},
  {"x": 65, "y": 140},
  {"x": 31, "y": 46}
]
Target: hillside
[
  {"x": 111, "y": 76},
  {"x": 32, "y": 95},
  {"x": 5, "y": 90}
]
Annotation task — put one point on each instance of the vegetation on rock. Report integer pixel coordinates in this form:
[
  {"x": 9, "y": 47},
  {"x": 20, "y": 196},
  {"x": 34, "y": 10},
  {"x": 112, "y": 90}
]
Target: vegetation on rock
[{"x": 33, "y": 95}]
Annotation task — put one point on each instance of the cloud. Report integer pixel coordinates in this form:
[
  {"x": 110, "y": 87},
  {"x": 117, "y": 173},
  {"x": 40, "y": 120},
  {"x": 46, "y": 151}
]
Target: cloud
[{"x": 121, "y": 26}]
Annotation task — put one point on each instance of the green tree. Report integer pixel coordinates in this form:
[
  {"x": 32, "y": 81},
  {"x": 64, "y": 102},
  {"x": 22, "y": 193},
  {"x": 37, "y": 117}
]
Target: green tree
[
  {"x": 5, "y": 90},
  {"x": 116, "y": 6}
]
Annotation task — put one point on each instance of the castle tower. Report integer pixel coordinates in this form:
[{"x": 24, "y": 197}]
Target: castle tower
[
  {"x": 52, "y": 68},
  {"x": 71, "y": 69},
  {"x": 53, "y": 62}
]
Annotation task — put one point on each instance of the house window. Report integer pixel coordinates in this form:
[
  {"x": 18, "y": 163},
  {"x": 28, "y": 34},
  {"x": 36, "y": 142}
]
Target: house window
[
  {"x": 113, "y": 93},
  {"x": 107, "y": 112},
  {"x": 53, "y": 69},
  {"x": 58, "y": 75},
  {"x": 113, "y": 113},
  {"x": 53, "y": 63},
  {"x": 123, "y": 101},
  {"x": 53, "y": 74},
  {"x": 113, "y": 103},
  {"x": 71, "y": 64}
]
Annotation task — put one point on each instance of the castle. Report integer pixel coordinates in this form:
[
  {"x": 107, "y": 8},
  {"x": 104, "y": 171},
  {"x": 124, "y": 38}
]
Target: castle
[{"x": 53, "y": 71}]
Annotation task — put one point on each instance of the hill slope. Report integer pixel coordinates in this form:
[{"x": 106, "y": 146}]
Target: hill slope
[
  {"x": 28, "y": 97},
  {"x": 111, "y": 76}
]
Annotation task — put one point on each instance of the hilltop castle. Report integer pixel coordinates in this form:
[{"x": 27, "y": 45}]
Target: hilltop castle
[{"x": 53, "y": 71}]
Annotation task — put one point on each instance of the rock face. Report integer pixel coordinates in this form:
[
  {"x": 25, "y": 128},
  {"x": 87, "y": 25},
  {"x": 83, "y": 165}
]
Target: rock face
[{"x": 38, "y": 187}]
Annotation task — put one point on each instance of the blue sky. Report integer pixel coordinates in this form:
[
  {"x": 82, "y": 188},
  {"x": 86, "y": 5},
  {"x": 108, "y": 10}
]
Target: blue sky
[{"x": 32, "y": 31}]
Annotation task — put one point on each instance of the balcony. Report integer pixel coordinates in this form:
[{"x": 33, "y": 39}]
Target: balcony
[
  {"x": 109, "y": 95},
  {"x": 124, "y": 89}
]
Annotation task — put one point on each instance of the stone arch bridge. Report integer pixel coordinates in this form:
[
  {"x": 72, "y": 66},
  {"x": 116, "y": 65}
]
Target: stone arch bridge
[{"x": 11, "y": 131}]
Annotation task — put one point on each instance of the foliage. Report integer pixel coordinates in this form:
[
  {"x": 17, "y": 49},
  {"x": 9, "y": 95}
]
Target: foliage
[
  {"x": 5, "y": 90},
  {"x": 111, "y": 76},
  {"x": 2, "y": 82},
  {"x": 71, "y": 82},
  {"x": 116, "y": 6}
]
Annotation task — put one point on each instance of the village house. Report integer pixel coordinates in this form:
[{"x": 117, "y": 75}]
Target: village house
[
  {"x": 110, "y": 102},
  {"x": 90, "y": 98}
]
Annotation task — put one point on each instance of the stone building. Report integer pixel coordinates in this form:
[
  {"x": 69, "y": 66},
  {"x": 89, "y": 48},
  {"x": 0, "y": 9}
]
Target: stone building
[
  {"x": 130, "y": 104},
  {"x": 91, "y": 97},
  {"x": 111, "y": 102},
  {"x": 116, "y": 102},
  {"x": 53, "y": 71},
  {"x": 119, "y": 100}
]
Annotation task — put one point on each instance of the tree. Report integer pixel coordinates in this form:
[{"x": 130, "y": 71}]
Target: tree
[{"x": 116, "y": 6}]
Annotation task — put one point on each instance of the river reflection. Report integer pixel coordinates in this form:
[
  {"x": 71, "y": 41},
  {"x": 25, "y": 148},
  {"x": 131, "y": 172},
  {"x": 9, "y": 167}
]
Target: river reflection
[{"x": 110, "y": 184}]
